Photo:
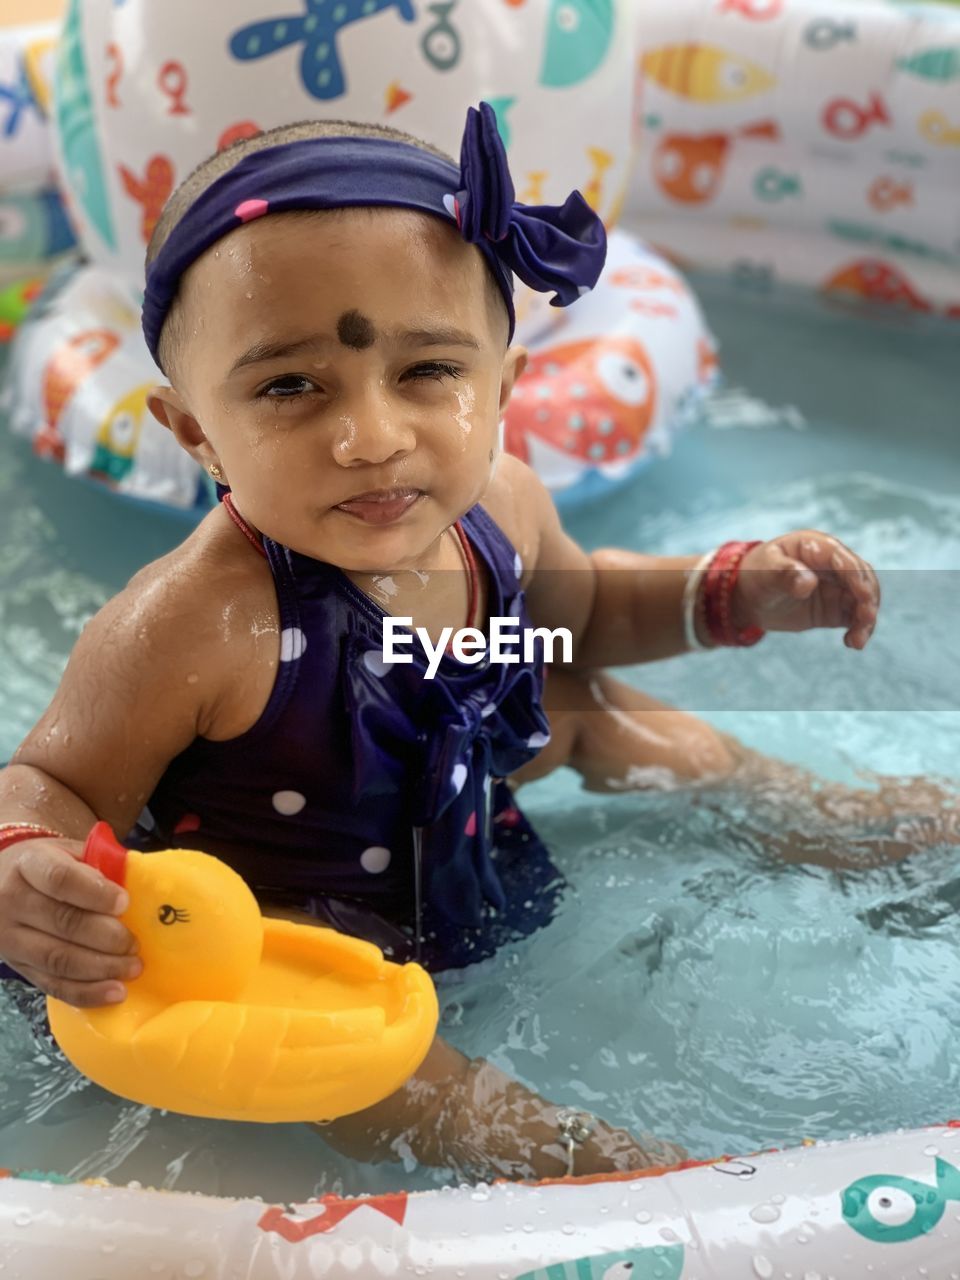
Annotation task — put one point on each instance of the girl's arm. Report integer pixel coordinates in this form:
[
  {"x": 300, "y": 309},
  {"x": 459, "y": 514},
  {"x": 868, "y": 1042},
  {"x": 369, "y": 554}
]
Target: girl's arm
[
  {"x": 145, "y": 678},
  {"x": 623, "y": 608},
  {"x": 620, "y": 607}
]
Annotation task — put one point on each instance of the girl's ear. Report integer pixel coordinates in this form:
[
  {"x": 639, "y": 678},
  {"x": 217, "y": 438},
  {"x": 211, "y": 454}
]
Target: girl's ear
[
  {"x": 514, "y": 363},
  {"x": 170, "y": 410}
]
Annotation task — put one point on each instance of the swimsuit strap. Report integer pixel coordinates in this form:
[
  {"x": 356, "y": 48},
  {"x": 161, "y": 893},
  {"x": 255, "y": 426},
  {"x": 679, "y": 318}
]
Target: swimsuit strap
[
  {"x": 473, "y": 574},
  {"x": 470, "y": 560}
]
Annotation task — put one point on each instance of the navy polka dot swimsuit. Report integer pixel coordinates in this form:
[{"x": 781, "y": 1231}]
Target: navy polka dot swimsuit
[{"x": 367, "y": 794}]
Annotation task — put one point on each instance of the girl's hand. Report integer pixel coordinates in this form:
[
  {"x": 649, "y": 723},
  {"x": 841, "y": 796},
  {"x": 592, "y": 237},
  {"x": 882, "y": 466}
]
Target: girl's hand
[
  {"x": 58, "y": 925},
  {"x": 803, "y": 580}
]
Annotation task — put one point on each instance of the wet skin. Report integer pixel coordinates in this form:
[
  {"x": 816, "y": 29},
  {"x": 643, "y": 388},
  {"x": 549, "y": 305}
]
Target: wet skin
[{"x": 306, "y": 403}]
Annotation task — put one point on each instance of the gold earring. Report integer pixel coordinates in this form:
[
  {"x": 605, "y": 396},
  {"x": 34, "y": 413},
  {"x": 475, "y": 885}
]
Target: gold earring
[{"x": 215, "y": 471}]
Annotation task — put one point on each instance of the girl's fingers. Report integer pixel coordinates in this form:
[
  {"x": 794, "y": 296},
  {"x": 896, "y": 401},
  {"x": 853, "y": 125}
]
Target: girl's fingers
[
  {"x": 92, "y": 930},
  {"x": 84, "y": 995},
  {"x": 62, "y": 962},
  {"x": 834, "y": 562},
  {"x": 56, "y": 874}
]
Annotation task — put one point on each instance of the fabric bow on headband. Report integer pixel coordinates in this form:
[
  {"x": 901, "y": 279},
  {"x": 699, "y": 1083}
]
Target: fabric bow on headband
[
  {"x": 549, "y": 247},
  {"x": 559, "y": 247}
]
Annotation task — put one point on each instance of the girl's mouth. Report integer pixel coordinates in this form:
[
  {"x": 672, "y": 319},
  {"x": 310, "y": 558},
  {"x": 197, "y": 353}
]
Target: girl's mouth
[{"x": 380, "y": 506}]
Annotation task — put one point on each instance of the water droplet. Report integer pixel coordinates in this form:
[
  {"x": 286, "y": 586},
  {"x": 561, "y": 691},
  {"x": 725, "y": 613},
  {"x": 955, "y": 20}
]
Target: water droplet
[
  {"x": 765, "y": 1213},
  {"x": 643, "y": 1216},
  {"x": 568, "y": 1228},
  {"x": 812, "y": 1275},
  {"x": 803, "y": 1238},
  {"x": 22, "y": 1219},
  {"x": 931, "y": 1150},
  {"x": 670, "y": 1236},
  {"x": 762, "y": 1267},
  {"x": 778, "y": 1199},
  {"x": 528, "y": 1227},
  {"x": 195, "y": 1267},
  {"x": 108, "y": 1246}
]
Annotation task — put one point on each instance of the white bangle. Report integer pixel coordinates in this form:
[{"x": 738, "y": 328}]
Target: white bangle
[{"x": 691, "y": 591}]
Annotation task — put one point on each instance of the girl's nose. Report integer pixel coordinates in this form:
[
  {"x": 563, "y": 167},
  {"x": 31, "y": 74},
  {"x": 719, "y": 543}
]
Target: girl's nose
[{"x": 372, "y": 429}]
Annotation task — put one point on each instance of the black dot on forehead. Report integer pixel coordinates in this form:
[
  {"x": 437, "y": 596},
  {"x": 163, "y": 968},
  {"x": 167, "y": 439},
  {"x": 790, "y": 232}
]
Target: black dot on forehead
[{"x": 355, "y": 330}]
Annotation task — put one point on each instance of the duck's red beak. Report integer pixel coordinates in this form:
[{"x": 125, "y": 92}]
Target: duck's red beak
[{"x": 104, "y": 852}]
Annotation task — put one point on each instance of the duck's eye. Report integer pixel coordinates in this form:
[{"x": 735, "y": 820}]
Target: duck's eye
[{"x": 172, "y": 915}]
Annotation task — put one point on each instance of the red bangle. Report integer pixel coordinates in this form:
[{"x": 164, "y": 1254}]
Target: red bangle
[
  {"x": 719, "y": 583},
  {"x": 14, "y": 832}
]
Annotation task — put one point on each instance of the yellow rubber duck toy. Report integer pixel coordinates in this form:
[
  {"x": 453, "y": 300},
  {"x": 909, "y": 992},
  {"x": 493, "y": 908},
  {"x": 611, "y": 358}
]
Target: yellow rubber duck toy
[{"x": 238, "y": 1016}]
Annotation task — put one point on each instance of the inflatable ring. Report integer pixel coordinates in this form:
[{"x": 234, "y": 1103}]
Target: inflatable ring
[
  {"x": 141, "y": 97},
  {"x": 237, "y": 1016},
  {"x": 34, "y": 228},
  {"x": 878, "y": 1206},
  {"x": 783, "y": 144}
]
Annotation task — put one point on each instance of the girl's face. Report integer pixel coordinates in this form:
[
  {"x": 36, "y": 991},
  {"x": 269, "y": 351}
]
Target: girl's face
[{"x": 347, "y": 373}]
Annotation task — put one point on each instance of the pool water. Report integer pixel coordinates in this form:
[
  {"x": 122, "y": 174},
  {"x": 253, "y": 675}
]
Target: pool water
[{"x": 691, "y": 984}]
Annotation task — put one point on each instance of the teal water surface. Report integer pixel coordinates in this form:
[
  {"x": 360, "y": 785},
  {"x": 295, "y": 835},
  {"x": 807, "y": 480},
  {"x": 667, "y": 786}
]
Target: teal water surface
[{"x": 692, "y": 984}]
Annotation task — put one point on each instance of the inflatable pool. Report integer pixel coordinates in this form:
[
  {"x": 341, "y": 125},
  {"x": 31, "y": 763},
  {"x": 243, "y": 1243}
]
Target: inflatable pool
[
  {"x": 34, "y": 230},
  {"x": 874, "y": 1206},
  {"x": 141, "y": 96},
  {"x": 783, "y": 142}
]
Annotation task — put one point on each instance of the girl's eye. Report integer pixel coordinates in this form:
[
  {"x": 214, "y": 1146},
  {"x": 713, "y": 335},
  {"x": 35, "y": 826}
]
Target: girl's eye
[
  {"x": 285, "y": 388},
  {"x": 436, "y": 370}
]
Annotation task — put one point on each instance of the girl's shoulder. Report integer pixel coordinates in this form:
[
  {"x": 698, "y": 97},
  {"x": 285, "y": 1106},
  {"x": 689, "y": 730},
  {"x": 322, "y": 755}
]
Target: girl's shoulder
[
  {"x": 205, "y": 614},
  {"x": 209, "y": 569},
  {"x": 185, "y": 650},
  {"x": 518, "y": 501}
]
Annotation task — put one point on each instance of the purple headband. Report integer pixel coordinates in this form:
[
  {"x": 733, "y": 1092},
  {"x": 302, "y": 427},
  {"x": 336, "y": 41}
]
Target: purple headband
[{"x": 559, "y": 247}]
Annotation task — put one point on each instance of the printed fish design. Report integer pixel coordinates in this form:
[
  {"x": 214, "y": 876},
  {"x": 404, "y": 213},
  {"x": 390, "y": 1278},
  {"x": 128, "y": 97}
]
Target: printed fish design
[
  {"x": 874, "y": 280},
  {"x": 886, "y": 193},
  {"x": 578, "y": 37},
  {"x": 66, "y": 369},
  {"x": 662, "y": 1262},
  {"x": 755, "y": 10},
  {"x": 689, "y": 167},
  {"x": 866, "y": 233},
  {"x": 773, "y": 184},
  {"x": 38, "y": 60},
  {"x": 18, "y": 97},
  {"x": 77, "y": 128},
  {"x": 320, "y": 67},
  {"x": 889, "y": 1209},
  {"x": 33, "y": 227},
  {"x": 593, "y": 401},
  {"x": 705, "y": 73},
  {"x": 152, "y": 191},
  {"x": 933, "y": 64},
  {"x": 600, "y": 162},
  {"x": 824, "y": 33},
  {"x": 119, "y": 435},
  {"x": 938, "y": 129}
]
